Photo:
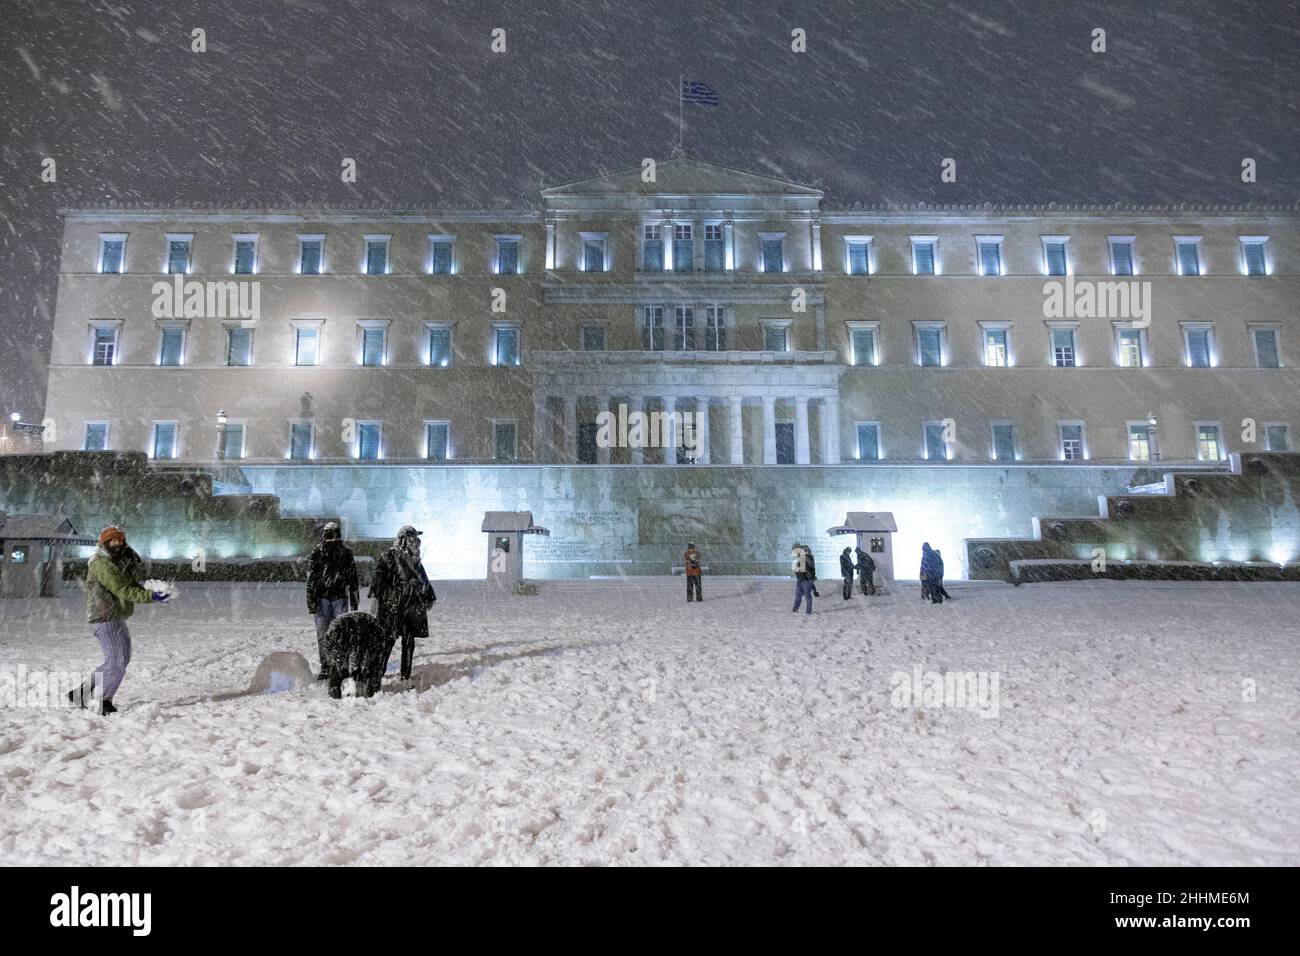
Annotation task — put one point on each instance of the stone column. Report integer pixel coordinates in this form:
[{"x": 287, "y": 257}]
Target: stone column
[
  {"x": 820, "y": 313},
  {"x": 831, "y": 430},
  {"x": 769, "y": 430},
  {"x": 570, "y": 428},
  {"x": 636, "y": 404},
  {"x": 542, "y": 436},
  {"x": 737, "y": 430},
  {"x": 670, "y": 429},
  {"x": 802, "y": 454},
  {"x": 666, "y": 229},
  {"x": 602, "y": 451},
  {"x": 728, "y": 246},
  {"x": 702, "y": 430}
]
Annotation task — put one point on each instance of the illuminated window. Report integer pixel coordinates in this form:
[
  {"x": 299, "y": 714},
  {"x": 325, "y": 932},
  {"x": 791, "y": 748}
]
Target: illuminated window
[
  {"x": 1073, "y": 447},
  {"x": 442, "y": 255},
  {"x": 652, "y": 247},
  {"x": 437, "y": 441},
  {"x": 438, "y": 351},
  {"x": 164, "y": 441},
  {"x": 1122, "y": 262},
  {"x": 112, "y": 253},
  {"x": 302, "y": 440},
  {"x": 683, "y": 247},
  {"x": 370, "y": 440},
  {"x": 1209, "y": 445},
  {"x": 178, "y": 254},
  {"x": 1188, "y": 254},
  {"x": 923, "y": 255},
  {"x": 1004, "y": 441},
  {"x": 245, "y": 262},
  {"x": 1139, "y": 441},
  {"x": 1056, "y": 257},
  {"x": 715, "y": 248},
  {"x": 989, "y": 249},
  {"x": 311, "y": 255},
  {"x": 1254, "y": 255}
]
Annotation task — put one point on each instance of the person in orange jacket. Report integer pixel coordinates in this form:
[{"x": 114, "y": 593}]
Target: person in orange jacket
[{"x": 691, "y": 558}]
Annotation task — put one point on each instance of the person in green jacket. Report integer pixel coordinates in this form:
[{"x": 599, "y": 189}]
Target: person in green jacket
[{"x": 112, "y": 592}]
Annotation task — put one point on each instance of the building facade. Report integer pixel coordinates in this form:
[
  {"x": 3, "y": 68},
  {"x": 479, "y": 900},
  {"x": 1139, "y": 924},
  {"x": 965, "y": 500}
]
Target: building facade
[{"x": 748, "y": 322}]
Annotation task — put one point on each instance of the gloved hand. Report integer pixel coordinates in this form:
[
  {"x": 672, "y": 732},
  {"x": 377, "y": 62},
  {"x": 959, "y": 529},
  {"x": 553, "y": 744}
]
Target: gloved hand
[{"x": 158, "y": 597}]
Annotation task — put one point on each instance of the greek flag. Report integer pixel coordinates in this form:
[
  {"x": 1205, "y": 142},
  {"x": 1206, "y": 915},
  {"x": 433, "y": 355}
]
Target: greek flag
[{"x": 695, "y": 92}]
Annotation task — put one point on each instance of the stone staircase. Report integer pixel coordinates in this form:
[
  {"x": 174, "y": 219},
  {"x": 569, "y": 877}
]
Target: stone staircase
[{"x": 1248, "y": 513}]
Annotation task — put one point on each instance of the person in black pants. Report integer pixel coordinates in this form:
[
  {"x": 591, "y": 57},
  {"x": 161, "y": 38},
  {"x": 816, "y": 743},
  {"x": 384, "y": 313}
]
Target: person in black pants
[
  {"x": 867, "y": 572},
  {"x": 403, "y": 596},
  {"x": 691, "y": 558},
  {"x": 846, "y": 572}
]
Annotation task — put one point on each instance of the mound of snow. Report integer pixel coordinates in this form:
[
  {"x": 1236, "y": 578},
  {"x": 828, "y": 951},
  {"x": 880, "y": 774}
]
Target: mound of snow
[{"x": 281, "y": 671}]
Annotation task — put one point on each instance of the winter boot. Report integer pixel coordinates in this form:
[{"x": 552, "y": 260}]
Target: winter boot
[
  {"x": 83, "y": 695},
  {"x": 107, "y": 706}
]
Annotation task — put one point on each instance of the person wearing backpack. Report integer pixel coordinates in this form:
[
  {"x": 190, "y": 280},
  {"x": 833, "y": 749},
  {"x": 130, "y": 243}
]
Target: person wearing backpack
[{"x": 332, "y": 587}]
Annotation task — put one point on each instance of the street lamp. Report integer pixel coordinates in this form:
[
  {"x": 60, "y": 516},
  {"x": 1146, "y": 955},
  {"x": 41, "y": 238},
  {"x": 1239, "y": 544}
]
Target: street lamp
[
  {"x": 221, "y": 435},
  {"x": 1152, "y": 427},
  {"x": 15, "y": 417}
]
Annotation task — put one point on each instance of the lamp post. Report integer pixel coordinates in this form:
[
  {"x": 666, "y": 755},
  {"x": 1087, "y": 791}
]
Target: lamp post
[
  {"x": 221, "y": 435},
  {"x": 1152, "y": 427}
]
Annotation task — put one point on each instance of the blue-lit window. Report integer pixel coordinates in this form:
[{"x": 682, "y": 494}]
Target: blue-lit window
[
  {"x": 369, "y": 437},
  {"x": 441, "y": 256},
  {"x": 301, "y": 439},
  {"x": 178, "y": 256},
  {"x": 112, "y": 254},
  {"x": 171, "y": 348},
  {"x": 683, "y": 247},
  {"x": 245, "y": 256},
  {"x": 715, "y": 248},
  {"x": 164, "y": 440},
  {"x": 1189, "y": 256}
]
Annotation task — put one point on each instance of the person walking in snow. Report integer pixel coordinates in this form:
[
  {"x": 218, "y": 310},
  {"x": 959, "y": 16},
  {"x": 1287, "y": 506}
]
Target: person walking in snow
[
  {"x": 691, "y": 558},
  {"x": 867, "y": 572},
  {"x": 112, "y": 592},
  {"x": 403, "y": 596},
  {"x": 931, "y": 575},
  {"x": 846, "y": 572},
  {"x": 812, "y": 568},
  {"x": 803, "y": 582},
  {"x": 332, "y": 587},
  {"x": 938, "y": 576}
]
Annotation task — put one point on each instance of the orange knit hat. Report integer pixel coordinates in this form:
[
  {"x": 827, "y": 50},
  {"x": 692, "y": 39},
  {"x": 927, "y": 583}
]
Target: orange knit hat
[{"x": 111, "y": 533}]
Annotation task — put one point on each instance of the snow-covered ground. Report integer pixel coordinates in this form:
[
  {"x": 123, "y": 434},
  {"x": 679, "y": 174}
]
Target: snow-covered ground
[{"x": 610, "y": 722}]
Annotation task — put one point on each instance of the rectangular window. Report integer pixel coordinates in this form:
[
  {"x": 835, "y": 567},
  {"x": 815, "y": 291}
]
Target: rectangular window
[
  {"x": 1139, "y": 442},
  {"x": 507, "y": 255},
  {"x": 684, "y": 328},
  {"x": 164, "y": 440},
  {"x": 171, "y": 346},
  {"x": 593, "y": 338},
  {"x": 773, "y": 254},
  {"x": 376, "y": 255},
  {"x": 1072, "y": 441},
  {"x": 1209, "y": 447},
  {"x": 715, "y": 248},
  {"x": 923, "y": 258},
  {"x": 96, "y": 438},
  {"x": 1189, "y": 256},
  {"x": 112, "y": 254},
  {"x": 245, "y": 256},
  {"x": 1199, "y": 351},
  {"x": 437, "y": 441},
  {"x": 1056, "y": 260},
  {"x": 232, "y": 441},
  {"x": 239, "y": 346},
  {"x": 652, "y": 247},
  {"x": 995, "y": 348},
  {"x": 1277, "y": 437},
  {"x": 1266, "y": 353},
  {"x": 301, "y": 440},
  {"x": 936, "y": 449},
  {"x": 859, "y": 256},
  {"x": 929, "y": 347},
  {"x": 1121, "y": 256},
  {"x": 868, "y": 441},
  {"x": 104, "y": 351},
  {"x": 652, "y": 328},
  {"x": 505, "y": 345},
  {"x": 1131, "y": 351},
  {"x": 776, "y": 338},
  {"x": 683, "y": 247},
  {"x": 715, "y": 328},
  {"x": 373, "y": 346},
  {"x": 369, "y": 440},
  {"x": 990, "y": 256},
  {"x": 1063, "y": 348},
  {"x": 178, "y": 255},
  {"x": 311, "y": 255},
  {"x": 306, "y": 345},
  {"x": 1004, "y": 441},
  {"x": 1254, "y": 259},
  {"x": 438, "y": 347},
  {"x": 593, "y": 252},
  {"x": 442, "y": 253},
  {"x": 863, "y": 343},
  {"x": 503, "y": 441}
]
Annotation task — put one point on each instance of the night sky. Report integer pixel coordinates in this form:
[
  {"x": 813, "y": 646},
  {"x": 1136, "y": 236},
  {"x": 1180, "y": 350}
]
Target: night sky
[{"x": 412, "y": 90}]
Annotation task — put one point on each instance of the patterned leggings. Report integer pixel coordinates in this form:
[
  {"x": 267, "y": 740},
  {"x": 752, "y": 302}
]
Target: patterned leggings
[{"x": 115, "y": 641}]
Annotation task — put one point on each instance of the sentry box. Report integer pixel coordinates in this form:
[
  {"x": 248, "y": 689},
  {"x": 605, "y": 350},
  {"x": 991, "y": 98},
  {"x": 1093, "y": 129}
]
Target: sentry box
[
  {"x": 874, "y": 532},
  {"x": 505, "y": 559},
  {"x": 31, "y": 548}
]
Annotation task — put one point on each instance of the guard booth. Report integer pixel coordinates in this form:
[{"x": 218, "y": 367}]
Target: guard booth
[
  {"x": 873, "y": 532},
  {"x": 505, "y": 558},
  {"x": 31, "y": 548}
]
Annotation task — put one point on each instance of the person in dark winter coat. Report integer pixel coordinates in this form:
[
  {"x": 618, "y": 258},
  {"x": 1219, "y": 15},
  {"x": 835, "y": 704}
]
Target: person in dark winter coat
[
  {"x": 403, "y": 596},
  {"x": 691, "y": 558},
  {"x": 931, "y": 575},
  {"x": 938, "y": 571},
  {"x": 867, "y": 572},
  {"x": 332, "y": 587},
  {"x": 846, "y": 572},
  {"x": 812, "y": 569},
  {"x": 112, "y": 592},
  {"x": 356, "y": 647},
  {"x": 803, "y": 581}
]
